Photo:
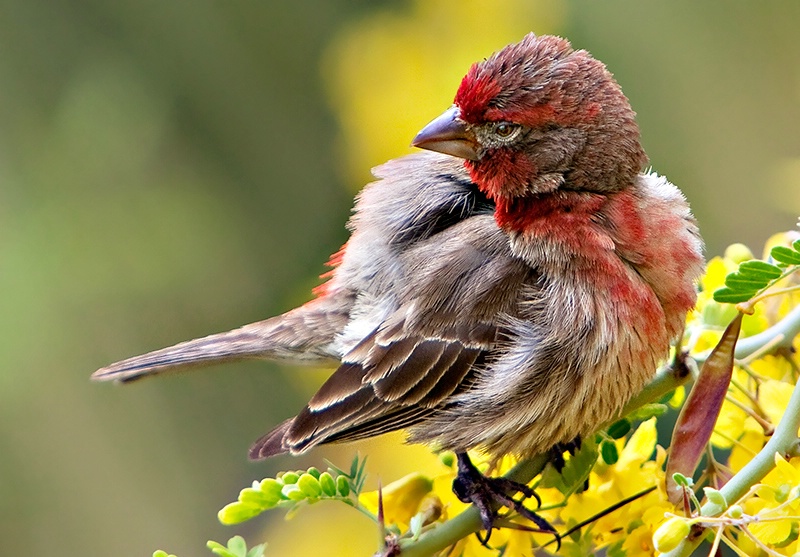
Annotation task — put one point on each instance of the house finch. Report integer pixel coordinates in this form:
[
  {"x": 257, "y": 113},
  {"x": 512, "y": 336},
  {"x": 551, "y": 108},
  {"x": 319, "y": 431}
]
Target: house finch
[{"x": 509, "y": 291}]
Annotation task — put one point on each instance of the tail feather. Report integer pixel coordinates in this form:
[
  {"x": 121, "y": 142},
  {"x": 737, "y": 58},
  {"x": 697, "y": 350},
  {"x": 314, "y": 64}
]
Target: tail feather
[
  {"x": 272, "y": 443},
  {"x": 301, "y": 336},
  {"x": 222, "y": 347}
]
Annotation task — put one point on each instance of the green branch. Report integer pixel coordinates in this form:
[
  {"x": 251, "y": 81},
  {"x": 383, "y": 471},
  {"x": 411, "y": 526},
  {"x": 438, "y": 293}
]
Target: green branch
[{"x": 786, "y": 329}]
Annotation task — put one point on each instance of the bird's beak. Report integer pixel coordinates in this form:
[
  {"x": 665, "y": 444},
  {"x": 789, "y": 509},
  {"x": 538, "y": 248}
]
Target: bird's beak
[{"x": 448, "y": 134}]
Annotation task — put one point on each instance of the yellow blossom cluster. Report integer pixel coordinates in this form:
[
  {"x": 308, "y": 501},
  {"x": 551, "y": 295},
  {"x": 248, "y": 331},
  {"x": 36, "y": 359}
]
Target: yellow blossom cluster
[
  {"x": 629, "y": 529},
  {"x": 764, "y": 521}
]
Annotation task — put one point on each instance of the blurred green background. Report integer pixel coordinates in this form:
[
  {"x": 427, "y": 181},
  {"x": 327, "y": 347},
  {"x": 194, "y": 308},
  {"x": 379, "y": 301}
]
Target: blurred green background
[{"x": 170, "y": 169}]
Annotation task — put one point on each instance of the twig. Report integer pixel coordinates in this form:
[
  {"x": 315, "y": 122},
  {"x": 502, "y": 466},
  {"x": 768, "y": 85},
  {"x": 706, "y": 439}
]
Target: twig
[{"x": 782, "y": 441}]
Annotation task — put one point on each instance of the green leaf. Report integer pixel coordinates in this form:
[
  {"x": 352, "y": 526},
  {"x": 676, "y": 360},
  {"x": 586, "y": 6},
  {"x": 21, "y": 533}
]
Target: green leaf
[
  {"x": 730, "y": 296},
  {"x": 715, "y": 497},
  {"x": 741, "y": 283},
  {"x": 580, "y": 464},
  {"x": 796, "y": 245},
  {"x": 219, "y": 549},
  {"x": 415, "y": 525},
  {"x": 360, "y": 477},
  {"x": 785, "y": 255},
  {"x": 448, "y": 458},
  {"x": 237, "y": 546},
  {"x": 647, "y": 411},
  {"x": 682, "y": 480},
  {"x": 716, "y": 500},
  {"x": 616, "y": 550},
  {"x": 334, "y": 470},
  {"x": 619, "y": 429},
  {"x": 756, "y": 268},
  {"x": 354, "y": 467},
  {"x": 609, "y": 452},
  {"x": 257, "y": 550}
]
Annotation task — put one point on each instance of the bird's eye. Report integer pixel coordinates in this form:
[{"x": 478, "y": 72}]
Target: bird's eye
[{"x": 505, "y": 130}]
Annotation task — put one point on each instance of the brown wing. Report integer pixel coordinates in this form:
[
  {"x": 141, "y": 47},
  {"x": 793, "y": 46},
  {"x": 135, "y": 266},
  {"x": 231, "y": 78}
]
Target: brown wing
[
  {"x": 411, "y": 378},
  {"x": 463, "y": 285}
]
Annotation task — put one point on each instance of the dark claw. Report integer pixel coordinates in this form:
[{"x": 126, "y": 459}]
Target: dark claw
[
  {"x": 557, "y": 453},
  {"x": 488, "y": 494}
]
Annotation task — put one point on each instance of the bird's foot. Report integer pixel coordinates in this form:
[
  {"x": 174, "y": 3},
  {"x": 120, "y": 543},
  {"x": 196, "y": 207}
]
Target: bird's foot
[{"x": 489, "y": 494}]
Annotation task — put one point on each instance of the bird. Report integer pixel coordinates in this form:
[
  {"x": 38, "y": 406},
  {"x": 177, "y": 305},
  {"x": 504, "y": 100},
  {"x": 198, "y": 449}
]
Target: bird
[{"x": 507, "y": 288}]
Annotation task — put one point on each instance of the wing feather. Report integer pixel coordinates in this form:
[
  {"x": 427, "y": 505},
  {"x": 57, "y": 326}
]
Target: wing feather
[
  {"x": 427, "y": 382},
  {"x": 436, "y": 282},
  {"x": 415, "y": 368}
]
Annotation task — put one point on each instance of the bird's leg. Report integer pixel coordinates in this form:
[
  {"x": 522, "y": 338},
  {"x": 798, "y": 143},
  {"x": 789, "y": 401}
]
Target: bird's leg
[{"x": 488, "y": 494}]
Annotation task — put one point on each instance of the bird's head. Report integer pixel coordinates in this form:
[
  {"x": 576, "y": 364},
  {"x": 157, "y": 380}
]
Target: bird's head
[{"x": 538, "y": 116}]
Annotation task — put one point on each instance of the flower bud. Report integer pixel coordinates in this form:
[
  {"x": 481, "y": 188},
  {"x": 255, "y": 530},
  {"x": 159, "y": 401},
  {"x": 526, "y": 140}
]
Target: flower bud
[
  {"x": 293, "y": 493},
  {"x": 271, "y": 487},
  {"x": 670, "y": 534},
  {"x": 309, "y": 485},
  {"x": 234, "y": 513},
  {"x": 327, "y": 484},
  {"x": 342, "y": 486},
  {"x": 258, "y": 498}
]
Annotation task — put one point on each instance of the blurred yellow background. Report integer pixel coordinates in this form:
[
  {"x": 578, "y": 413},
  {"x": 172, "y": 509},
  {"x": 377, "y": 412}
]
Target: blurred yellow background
[{"x": 173, "y": 169}]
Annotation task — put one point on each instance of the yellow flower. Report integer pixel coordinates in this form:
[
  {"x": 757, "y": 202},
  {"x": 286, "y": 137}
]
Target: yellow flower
[
  {"x": 777, "y": 496},
  {"x": 670, "y": 534},
  {"x": 608, "y": 484},
  {"x": 401, "y": 499},
  {"x": 748, "y": 446},
  {"x": 639, "y": 542},
  {"x": 773, "y": 397},
  {"x": 729, "y": 426},
  {"x": 774, "y": 367},
  {"x": 677, "y": 397}
]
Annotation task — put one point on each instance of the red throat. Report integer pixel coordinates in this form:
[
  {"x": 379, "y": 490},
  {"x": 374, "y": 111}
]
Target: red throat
[
  {"x": 505, "y": 174},
  {"x": 559, "y": 214}
]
